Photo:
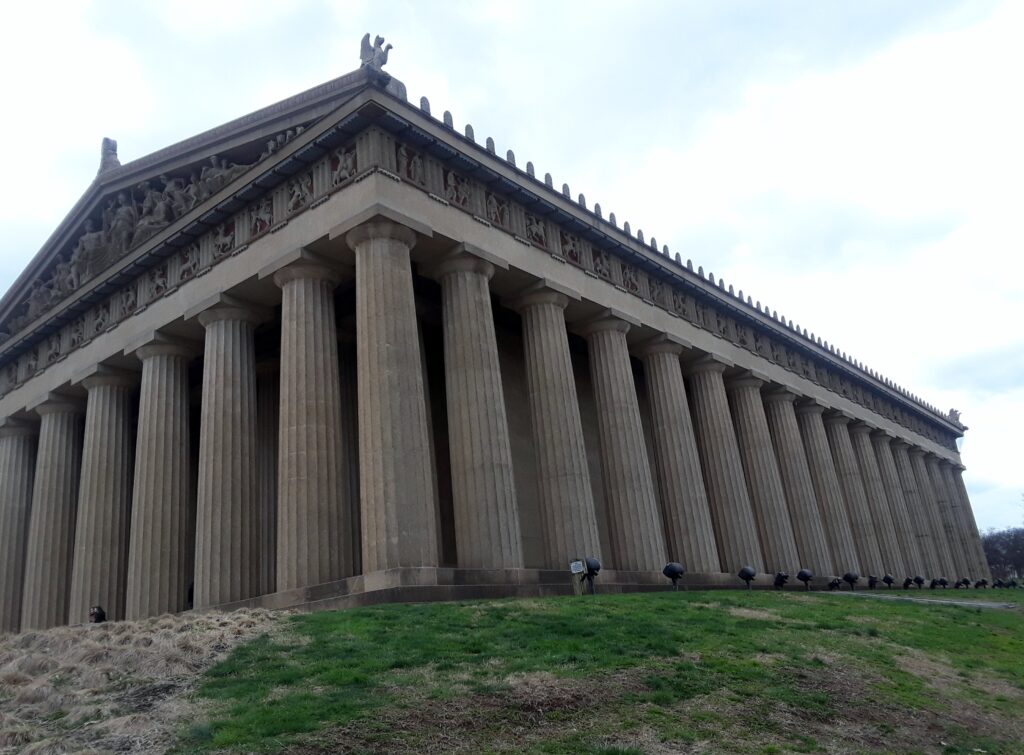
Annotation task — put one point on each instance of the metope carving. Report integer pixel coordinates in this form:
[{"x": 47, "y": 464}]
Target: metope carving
[{"x": 410, "y": 165}]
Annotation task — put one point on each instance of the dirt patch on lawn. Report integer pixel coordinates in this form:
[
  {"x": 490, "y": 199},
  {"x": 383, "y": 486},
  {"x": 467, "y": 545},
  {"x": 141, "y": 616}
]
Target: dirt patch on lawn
[
  {"x": 754, "y": 613},
  {"x": 112, "y": 687}
]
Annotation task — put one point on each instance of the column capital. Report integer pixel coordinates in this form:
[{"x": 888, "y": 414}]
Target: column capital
[
  {"x": 159, "y": 344},
  {"x": 539, "y": 293},
  {"x": 837, "y": 418},
  {"x": 381, "y": 229},
  {"x": 882, "y": 436},
  {"x": 460, "y": 260},
  {"x": 860, "y": 427},
  {"x": 56, "y": 403},
  {"x": 779, "y": 394},
  {"x": 915, "y": 450},
  {"x": 12, "y": 427},
  {"x": 746, "y": 379},
  {"x": 706, "y": 363},
  {"x": 809, "y": 406},
  {"x": 102, "y": 374},
  {"x": 607, "y": 320},
  {"x": 224, "y": 307},
  {"x": 663, "y": 343}
]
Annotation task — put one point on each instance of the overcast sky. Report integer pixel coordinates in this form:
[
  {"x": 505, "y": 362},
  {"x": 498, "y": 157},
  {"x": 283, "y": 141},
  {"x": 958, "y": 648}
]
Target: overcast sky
[{"x": 857, "y": 166}]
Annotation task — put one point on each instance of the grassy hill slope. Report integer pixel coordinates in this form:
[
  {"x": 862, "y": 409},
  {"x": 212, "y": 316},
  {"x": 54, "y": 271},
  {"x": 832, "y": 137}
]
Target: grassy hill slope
[{"x": 667, "y": 672}]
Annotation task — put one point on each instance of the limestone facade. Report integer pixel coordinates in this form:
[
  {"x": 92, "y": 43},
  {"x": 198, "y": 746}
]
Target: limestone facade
[{"x": 358, "y": 352}]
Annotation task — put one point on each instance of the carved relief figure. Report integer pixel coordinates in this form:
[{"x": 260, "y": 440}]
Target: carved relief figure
[
  {"x": 189, "y": 263},
  {"x": 129, "y": 301},
  {"x": 77, "y": 333},
  {"x": 224, "y": 239},
  {"x": 630, "y": 279},
  {"x": 410, "y": 164},
  {"x": 497, "y": 210},
  {"x": 156, "y": 282},
  {"x": 300, "y": 192},
  {"x": 455, "y": 189},
  {"x": 535, "y": 231},
  {"x": 570, "y": 247},
  {"x": 602, "y": 264},
  {"x": 53, "y": 349},
  {"x": 343, "y": 165},
  {"x": 261, "y": 217},
  {"x": 102, "y": 317},
  {"x": 122, "y": 224}
]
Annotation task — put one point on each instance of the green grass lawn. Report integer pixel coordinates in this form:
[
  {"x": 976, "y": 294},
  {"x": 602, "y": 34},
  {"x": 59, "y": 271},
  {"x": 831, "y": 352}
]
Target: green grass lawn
[{"x": 724, "y": 671}]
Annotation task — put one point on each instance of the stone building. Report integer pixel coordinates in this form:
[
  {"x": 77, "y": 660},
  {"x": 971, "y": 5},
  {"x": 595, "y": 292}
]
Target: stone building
[{"x": 335, "y": 352}]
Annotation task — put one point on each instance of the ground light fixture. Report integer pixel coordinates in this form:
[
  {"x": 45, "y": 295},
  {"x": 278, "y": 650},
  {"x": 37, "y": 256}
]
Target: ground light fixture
[
  {"x": 747, "y": 574},
  {"x": 781, "y": 578},
  {"x": 674, "y": 571},
  {"x": 851, "y": 578},
  {"x": 888, "y": 580},
  {"x": 805, "y": 576}
]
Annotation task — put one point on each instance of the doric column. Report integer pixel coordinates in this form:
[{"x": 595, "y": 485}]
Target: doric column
[
  {"x": 735, "y": 528},
  {"x": 51, "y": 530},
  {"x": 398, "y": 511},
  {"x": 930, "y": 563},
  {"x": 762, "y": 474},
  {"x": 268, "y": 399},
  {"x": 684, "y": 501},
  {"x": 227, "y": 505},
  {"x": 314, "y": 510},
  {"x": 878, "y": 503},
  {"x": 483, "y": 486},
  {"x": 17, "y": 473},
  {"x": 970, "y": 525},
  {"x": 348, "y": 379},
  {"x": 160, "y": 552},
  {"x": 563, "y": 479},
  {"x": 827, "y": 490},
  {"x": 948, "y": 517},
  {"x": 931, "y": 516},
  {"x": 906, "y": 535},
  {"x": 100, "y": 571},
  {"x": 804, "y": 513},
  {"x": 852, "y": 485},
  {"x": 634, "y": 523}
]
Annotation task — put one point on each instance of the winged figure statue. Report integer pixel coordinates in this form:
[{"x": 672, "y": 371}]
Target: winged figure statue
[{"x": 375, "y": 55}]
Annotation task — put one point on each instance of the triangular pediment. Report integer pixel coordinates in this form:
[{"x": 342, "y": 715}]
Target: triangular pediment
[{"x": 131, "y": 205}]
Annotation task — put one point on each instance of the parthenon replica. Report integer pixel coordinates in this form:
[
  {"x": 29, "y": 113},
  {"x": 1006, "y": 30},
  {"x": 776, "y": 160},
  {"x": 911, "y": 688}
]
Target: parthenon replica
[{"x": 336, "y": 352}]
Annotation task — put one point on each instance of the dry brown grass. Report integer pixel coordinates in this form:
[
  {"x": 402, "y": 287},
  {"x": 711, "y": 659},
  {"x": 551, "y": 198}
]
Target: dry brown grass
[{"x": 113, "y": 687}]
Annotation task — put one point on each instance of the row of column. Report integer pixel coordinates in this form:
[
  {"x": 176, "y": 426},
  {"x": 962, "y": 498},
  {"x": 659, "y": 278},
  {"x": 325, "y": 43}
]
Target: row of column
[{"x": 738, "y": 477}]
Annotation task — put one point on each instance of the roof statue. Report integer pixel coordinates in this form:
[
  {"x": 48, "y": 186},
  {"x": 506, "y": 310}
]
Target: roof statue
[
  {"x": 374, "y": 56},
  {"x": 954, "y": 415},
  {"x": 108, "y": 156}
]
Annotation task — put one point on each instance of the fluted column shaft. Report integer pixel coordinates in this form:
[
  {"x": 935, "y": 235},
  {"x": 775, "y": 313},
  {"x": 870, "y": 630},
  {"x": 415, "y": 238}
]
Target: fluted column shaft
[
  {"x": 227, "y": 505},
  {"x": 827, "y": 489},
  {"x": 483, "y": 486},
  {"x": 735, "y": 527},
  {"x": 930, "y": 562},
  {"x": 397, "y": 492},
  {"x": 948, "y": 517},
  {"x": 634, "y": 523},
  {"x": 848, "y": 471},
  {"x": 563, "y": 479},
  {"x": 100, "y": 571},
  {"x": 761, "y": 470},
  {"x": 959, "y": 489},
  {"x": 906, "y": 535},
  {"x": 17, "y": 474},
  {"x": 161, "y": 550},
  {"x": 268, "y": 400},
  {"x": 690, "y": 535},
  {"x": 931, "y": 516},
  {"x": 808, "y": 528},
  {"x": 314, "y": 509},
  {"x": 877, "y": 500},
  {"x": 51, "y": 532}
]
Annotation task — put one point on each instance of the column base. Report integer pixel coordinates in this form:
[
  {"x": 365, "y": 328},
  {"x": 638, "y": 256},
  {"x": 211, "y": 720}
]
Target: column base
[{"x": 430, "y": 584}]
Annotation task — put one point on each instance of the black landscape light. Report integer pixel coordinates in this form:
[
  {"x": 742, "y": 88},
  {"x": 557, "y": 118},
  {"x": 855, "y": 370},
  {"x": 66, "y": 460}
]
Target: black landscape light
[
  {"x": 907, "y": 583},
  {"x": 747, "y": 574},
  {"x": 97, "y": 615},
  {"x": 805, "y": 576},
  {"x": 781, "y": 578},
  {"x": 593, "y": 567},
  {"x": 835, "y": 584},
  {"x": 888, "y": 580},
  {"x": 674, "y": 571},
  {"x": 918, "y": 580},
  {"x": 981, "y": 584},
  {"x": 851, "y": 578},
  {"x": 872, "y": 581}
]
